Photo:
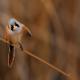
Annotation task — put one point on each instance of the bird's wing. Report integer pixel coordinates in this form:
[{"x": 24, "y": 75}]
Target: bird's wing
[{"x": 11, "y": 55}]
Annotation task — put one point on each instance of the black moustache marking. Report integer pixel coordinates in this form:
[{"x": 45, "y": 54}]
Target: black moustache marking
[
  {"x": 12, "y": 27},
  {"x": 16, "y": 24}
]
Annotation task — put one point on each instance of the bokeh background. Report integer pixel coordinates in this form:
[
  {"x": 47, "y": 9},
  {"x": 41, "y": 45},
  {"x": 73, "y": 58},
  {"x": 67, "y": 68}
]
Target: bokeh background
[{"x": 55, "y": 26}]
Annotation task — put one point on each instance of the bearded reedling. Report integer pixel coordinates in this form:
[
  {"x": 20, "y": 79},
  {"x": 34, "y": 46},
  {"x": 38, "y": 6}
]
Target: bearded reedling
[{"x": 13, "y": 34}]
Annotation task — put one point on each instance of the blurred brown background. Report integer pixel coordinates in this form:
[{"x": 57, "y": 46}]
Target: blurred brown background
[{"x": 55, "y": 26}]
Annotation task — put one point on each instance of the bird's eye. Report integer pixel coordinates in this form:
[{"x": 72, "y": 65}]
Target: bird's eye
[{"x": 16, "y": 24}]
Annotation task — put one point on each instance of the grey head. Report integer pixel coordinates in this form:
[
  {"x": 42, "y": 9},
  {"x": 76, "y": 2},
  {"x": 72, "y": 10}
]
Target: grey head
[{"x": 14, "y": 25}]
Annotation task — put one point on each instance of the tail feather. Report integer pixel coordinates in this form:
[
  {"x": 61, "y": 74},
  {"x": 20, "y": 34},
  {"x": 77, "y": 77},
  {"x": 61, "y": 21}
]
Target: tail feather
[{"x": 11, "y": 55}]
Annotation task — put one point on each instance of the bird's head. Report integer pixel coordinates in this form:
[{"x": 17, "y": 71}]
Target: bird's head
[{"x": 17, "y": 27}]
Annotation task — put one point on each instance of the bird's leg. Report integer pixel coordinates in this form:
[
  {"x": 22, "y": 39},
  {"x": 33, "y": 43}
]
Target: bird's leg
[{"x": 11, "y": 55}]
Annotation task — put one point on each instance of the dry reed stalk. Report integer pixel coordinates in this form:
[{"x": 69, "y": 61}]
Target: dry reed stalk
[{"x": 40, "y": 59}]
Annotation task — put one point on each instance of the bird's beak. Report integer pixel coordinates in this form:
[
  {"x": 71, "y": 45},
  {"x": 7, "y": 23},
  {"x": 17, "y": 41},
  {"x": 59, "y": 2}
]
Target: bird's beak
[{"x": 28, "y": 31}]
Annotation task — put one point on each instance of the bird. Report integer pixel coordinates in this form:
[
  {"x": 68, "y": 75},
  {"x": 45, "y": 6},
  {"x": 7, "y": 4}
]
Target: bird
[{"x": 14, "y": 31}]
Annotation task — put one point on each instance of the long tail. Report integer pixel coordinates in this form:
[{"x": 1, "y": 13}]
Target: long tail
[{"x": 11, "y": 55}]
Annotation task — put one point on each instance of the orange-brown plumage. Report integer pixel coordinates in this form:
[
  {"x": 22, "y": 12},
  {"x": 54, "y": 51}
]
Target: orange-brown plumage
[{"x": 13, "y": 33}]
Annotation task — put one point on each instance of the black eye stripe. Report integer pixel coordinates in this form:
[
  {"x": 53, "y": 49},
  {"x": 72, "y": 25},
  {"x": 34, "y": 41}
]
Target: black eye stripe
[{"x": 16, "y": 24}]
